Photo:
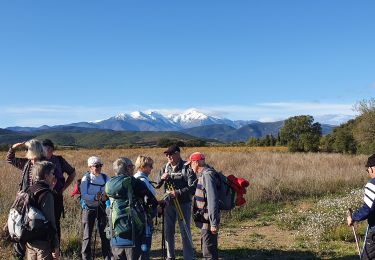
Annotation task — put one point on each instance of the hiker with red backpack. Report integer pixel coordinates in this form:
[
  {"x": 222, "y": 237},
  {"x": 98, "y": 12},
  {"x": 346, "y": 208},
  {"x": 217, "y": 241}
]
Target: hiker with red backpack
[
  {"x": 34, "y": 154},
  {"x": 206, "y": 205},
  {"x": 93, "y": 206}
]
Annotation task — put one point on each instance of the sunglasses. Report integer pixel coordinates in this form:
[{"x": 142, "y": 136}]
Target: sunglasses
[{"x": 98, "y": 165}]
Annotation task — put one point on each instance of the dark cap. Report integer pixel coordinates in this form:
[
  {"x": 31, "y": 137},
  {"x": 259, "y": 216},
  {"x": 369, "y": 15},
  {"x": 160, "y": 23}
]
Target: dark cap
[
  {"x": 172, "y": 149},
  {"x": 371, "y": 161},
  {"x": 48, "y": 142}
]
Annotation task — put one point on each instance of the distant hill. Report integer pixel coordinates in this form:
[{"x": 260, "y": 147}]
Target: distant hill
[
  {"x": 226, "y": 133},
  {"x": 89, "y": 138}
]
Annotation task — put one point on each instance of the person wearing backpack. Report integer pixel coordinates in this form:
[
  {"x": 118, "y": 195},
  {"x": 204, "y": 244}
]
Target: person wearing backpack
[
  {"x": 44, "y": 181},
  {"x": 181, "y": 178},
  {"x": 125, "y": 246},
  {"x": 61, "y": 167},
  {"x": 93, "y": 200},
  {"x": 144, "y": 166},
  {"x": 34, "y": 154},
  {"x": 206, "y": 205}
]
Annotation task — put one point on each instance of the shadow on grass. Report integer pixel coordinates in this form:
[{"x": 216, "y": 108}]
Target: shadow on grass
[{"x": 242, "y": 254}]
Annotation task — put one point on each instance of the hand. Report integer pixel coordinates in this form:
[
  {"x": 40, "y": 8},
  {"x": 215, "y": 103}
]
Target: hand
[
  {"x": 165, "y": 176},
  {"x": 349, "y": 220},
  {"x": 104, "y": 196},
  {"x": 214, "y": 230},
  {"x": 172, "y": 193},
  {"x": 98, "y": 195},
  {"x": 18, "y": 145},
  {"x": 56, "y": 253}
]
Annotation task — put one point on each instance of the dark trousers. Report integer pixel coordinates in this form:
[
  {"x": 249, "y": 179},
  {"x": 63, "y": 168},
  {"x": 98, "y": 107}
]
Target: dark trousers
[
  {"x": 131, "y": 253},
  {"x": 59, "y": 209},
  {"x": 209, "y": 245},
  {"x": 88, "y": 221},
  {"x": 369, "y": 251},
  {"x": 19, "y": 250}
]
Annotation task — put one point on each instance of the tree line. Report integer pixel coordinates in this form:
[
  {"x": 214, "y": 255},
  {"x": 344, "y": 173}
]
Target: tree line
[{"x": 301, "y": 134}]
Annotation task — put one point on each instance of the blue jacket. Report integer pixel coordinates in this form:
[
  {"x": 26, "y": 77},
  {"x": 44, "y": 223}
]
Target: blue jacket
[{"x": 367, "y": 211}]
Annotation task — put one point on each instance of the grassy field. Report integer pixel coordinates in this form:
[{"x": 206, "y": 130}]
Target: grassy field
[{"x": 296, "y": 202}]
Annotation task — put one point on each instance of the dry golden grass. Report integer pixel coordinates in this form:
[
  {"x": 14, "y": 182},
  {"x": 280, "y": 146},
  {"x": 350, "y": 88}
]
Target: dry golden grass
[{"x": 273, "y": 173}]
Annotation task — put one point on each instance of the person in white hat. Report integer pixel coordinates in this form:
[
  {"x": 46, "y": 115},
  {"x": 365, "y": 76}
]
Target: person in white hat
[{"x": 93, "y": 200}]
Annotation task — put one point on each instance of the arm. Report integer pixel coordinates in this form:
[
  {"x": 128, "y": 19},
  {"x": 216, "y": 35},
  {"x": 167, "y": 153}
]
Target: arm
[
  {"x": 212, "y": 199},
  {"x": 13, "y": 160},
  {"x": 368, "y": 206},
  {"x": 47, "y": 207},
  {"x": 66, "y": 167},
  {"x": 141, "y": 190},
  {"x": 192, "y": 183}
]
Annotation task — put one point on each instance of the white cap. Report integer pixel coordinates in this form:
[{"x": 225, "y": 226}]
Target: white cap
[{"x": 93, "y": 160}]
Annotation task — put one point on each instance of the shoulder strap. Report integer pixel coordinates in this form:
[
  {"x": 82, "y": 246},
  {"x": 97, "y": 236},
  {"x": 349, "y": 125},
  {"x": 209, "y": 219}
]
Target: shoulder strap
[{"x": 88, "y": 178}]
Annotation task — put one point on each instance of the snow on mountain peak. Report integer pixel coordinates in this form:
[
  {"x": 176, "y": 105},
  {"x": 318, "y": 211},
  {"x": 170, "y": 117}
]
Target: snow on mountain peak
[{"x": 138, "y": 115}]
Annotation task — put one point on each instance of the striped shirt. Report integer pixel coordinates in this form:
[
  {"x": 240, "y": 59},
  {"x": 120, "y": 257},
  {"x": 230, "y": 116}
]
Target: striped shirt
[{"x": 367, "y": 211}]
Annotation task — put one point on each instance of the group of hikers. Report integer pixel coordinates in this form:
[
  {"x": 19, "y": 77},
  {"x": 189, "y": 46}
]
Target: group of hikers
[{"x": 123, "y": 206}]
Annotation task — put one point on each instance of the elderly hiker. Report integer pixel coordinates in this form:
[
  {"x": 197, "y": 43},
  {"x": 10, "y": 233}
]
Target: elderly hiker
[
  {"x": 34, "y": 154},
  {"x": 61, "y": 167},
  {"x": 367, "y": 211},
  {"x": 179, "y": 183},
  {"x": 206, "y": 205},
  {"x": 125, "y": 242},
  {"x": 93, "y": 207},
  {"x": 44, "y": 180},
  {"x": 144, "y": 166}
]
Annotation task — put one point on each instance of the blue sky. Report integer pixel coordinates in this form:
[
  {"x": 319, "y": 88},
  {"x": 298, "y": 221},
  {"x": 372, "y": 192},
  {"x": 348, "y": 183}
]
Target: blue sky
[{"x": 69, "y": 61}]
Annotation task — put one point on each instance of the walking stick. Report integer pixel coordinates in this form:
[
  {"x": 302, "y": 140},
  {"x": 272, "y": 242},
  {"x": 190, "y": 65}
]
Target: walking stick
[
  {"x": 364, "y": 241},
  {"x": 96, "y": 230},
  {"x": 355, "y": 234},
  {"x": 181, "y": 216},
  {"x": 162, "y": 234}
]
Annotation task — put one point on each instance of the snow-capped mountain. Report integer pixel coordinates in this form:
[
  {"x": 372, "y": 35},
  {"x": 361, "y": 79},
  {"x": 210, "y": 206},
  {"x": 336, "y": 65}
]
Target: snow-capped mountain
[
  {"x": 192, "y": 118},
  {"x": 154, "y": 121}
]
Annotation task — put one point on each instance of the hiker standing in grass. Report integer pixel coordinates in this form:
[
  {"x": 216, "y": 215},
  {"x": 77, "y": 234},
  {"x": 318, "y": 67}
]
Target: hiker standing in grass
[
  {"x": 93, "y": 207},
  {"x": 120, "y": 247},
  {"x": 34, "y": 154},
  {"x": 367, "y": 211},
  {"x": 206, "y": 205},
  {"x": 43, "y": 181},
  {"x": 144, "y": 166},
  {"x": 180, "y": 176},
  {"x": 61, "y": 167}
]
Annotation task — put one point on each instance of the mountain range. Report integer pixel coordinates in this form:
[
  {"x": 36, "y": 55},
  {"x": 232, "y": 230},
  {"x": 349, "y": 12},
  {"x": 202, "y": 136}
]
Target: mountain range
[{"x": 191, "y": 122}]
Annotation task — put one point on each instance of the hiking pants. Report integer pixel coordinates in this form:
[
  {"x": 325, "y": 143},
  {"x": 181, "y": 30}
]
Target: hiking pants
[
  {"x": 59, "y": 209},
  {"x": 129, "y": 253},
  {"x": 19, "y": 250},
  {"x": 170, "y": 217},
  {"x": 209, "y": 245},
  {"x": 369, "y": 251},
  {"x": 88, "y": 221},
  {"x": 40, "y": 250}
]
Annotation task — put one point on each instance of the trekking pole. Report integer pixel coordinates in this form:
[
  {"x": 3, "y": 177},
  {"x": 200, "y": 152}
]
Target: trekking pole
[
  {"x": 162, "y": 234},
  {"x": 364, "y": 241},
  {"x": 181, "y": 216},
  {"x": 96, "y": 230},
  {"x": 355, "y": 234}
]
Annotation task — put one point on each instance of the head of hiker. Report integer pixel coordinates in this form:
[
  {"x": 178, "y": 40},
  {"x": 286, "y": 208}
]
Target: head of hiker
[
  {"x": 173, "y": 154},
  {"x": 123, "y": 166},
  {"x": 95, "y": 165},
  {"x": 197, "y": 161}
]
